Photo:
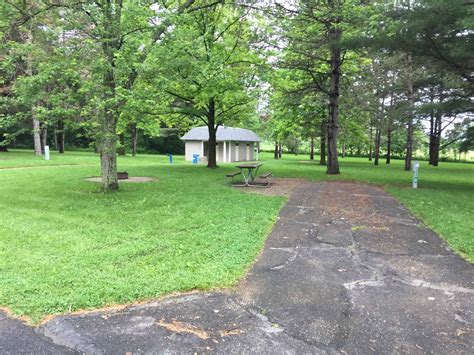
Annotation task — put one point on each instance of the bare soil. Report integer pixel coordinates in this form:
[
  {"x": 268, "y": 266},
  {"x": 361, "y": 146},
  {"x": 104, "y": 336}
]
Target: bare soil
[{"x": 278, "y": 187}]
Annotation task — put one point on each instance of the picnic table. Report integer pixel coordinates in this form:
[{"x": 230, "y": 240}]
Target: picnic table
[{"x": 252, "y": 170}]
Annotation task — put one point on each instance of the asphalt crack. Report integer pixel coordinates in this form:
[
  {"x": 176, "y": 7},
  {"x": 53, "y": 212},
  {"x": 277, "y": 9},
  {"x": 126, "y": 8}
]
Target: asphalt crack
[{"x": 433, "y": 286}]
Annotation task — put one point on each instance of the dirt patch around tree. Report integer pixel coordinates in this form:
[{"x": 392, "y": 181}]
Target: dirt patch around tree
[{"x": 135, "y": 179}]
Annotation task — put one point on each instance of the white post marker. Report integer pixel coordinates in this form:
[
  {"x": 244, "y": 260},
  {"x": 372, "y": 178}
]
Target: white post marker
[
  {"x": 416, "y": 166},
  {"x": 46, "y": 152}
]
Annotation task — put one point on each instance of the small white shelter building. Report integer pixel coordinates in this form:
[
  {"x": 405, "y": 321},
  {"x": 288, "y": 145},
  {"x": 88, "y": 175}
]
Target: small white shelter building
[{"x": 233, "y": 144}]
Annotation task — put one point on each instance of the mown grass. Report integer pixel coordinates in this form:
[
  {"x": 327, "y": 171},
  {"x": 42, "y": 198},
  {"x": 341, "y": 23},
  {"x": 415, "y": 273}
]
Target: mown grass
[{"x": 65, "y": 246}]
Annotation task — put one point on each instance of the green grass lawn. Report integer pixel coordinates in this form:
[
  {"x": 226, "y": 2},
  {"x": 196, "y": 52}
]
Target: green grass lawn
[{"x": 65, "y": 246}]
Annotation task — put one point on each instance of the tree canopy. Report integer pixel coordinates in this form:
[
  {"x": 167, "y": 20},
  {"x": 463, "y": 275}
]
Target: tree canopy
[{"x": 340, "y": 77}]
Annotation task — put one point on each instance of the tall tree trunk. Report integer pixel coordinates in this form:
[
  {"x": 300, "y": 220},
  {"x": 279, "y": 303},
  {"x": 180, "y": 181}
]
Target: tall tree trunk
[
  {"x": 108, "y": 135},
  {"x": 437, "y": 128},
  {"x": 378, "y": 132},
  {"x": 411, "y": 102},
  {"x": 111, "y": 41},
  {"x": 134, "y": 139},
  {"x": 370, "y": 140},
  {"x": 279, "y": 150},
  {"x": 36, "y": 134},
  {"x": 61, "y": 142},
  {"x": 343, "y": 149},
  {"x": 108, "y": 153},
  {"x": 60, "y": 136},
  {"x": 389, "y": 145},
  {"x": 121, "y": 148},
  {"x": 36, "y": 122},
  {"x": 389, "y": 132},
  {"x": 333, "y": 123},
  {"x": 211, "y": 125},
  {"x": 44, "y": 137},
  {"x": 432, "y": 143},
  {"x": 275, "y": 152},
  {"x": 3, "y": 148},
  {"x": 431, "y": 149},
  {"x": 437, "y": 139},
  {"x": 36, "y": 131},
  {"x": 311, "y": 149},
  {"x": 322, "y": 146},
  {"x": 377, "y": 146}
]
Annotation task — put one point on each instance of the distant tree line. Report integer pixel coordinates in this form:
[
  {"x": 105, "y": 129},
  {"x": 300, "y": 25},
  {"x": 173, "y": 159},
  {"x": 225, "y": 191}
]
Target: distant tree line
[{"x": 379, "y": 78}]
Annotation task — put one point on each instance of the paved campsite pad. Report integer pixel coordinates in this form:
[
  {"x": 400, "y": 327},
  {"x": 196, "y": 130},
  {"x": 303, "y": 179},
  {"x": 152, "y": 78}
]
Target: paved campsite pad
[{"x": 346, "y": 269}]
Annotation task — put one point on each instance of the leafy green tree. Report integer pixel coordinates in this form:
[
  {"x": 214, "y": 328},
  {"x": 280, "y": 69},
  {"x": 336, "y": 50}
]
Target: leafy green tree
[
  {"x": 22, "y": 49},
  {"x": 315, "y": 37},
  {"x": 434, "y": 37},
  {"x": 436, "y": 30},
  {"x": 467, "y": 142},
  {"x": 296, "y": 110},
  {"x": 118, "y": 34},
  {"x": 207, "y": 70}
]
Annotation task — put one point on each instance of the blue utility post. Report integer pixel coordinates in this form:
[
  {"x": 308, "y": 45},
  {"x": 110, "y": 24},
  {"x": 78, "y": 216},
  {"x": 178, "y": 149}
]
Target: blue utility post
[{"x": 171, "y": 158}]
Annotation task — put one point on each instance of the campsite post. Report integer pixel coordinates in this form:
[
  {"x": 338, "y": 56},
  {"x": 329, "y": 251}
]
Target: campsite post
[
  {"x": 416, "y": 166},
  {"x": 46, "y": 152}
]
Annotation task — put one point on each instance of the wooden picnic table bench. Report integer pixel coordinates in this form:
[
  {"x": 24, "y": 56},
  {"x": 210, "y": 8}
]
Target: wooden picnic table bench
[
  {"x": 231, "y": 175},
  {"x": 266, "y": 178}
]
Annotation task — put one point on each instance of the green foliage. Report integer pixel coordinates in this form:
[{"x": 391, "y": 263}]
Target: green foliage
[
  {"x": 169, "y": 59},
  {"x": 467, "y": 143},
  {"x": 167, "y": 142},
  {"x": 207, "y": 56},
  {"x": 438, "y": 31},
  {"x": 301, "y": 84}
]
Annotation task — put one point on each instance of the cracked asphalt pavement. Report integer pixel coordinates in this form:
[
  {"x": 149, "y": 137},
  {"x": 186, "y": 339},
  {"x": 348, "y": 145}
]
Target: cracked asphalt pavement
[{"x": 346, "y": 269}]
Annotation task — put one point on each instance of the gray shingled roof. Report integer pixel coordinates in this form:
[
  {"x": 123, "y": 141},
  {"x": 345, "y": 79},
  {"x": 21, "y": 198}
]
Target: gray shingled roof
[{"x": 223, "y": 134}]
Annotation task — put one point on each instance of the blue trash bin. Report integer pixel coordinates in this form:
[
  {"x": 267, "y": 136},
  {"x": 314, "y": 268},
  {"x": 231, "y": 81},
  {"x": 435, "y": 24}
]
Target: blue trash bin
[{"x": 195, "y": 158}]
